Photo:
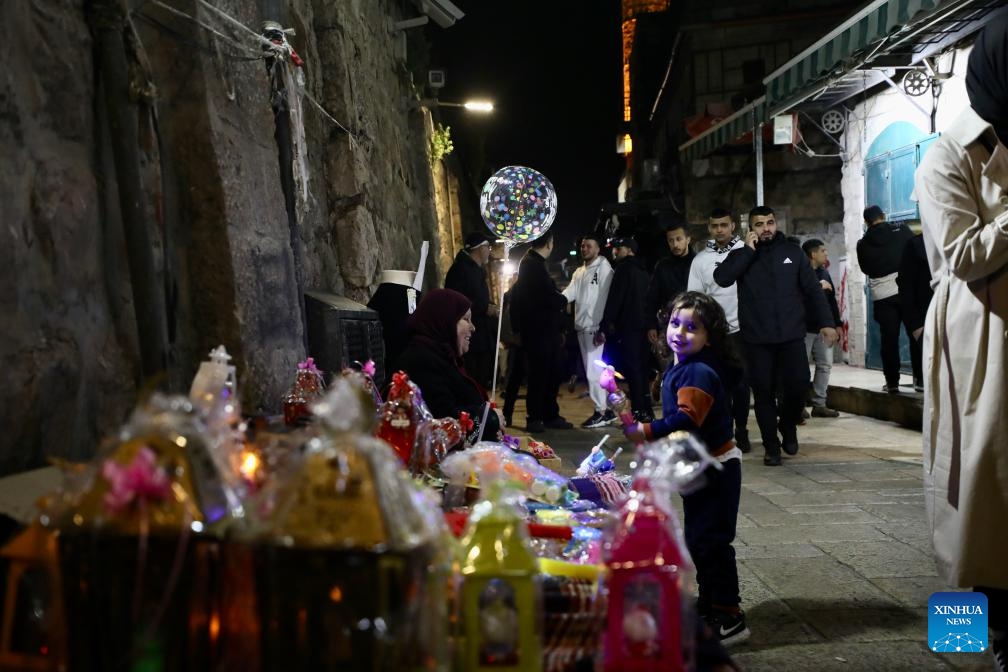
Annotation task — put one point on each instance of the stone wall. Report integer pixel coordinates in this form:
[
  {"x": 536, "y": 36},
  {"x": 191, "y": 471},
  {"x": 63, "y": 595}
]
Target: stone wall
[{"x": 223, "y": 248}]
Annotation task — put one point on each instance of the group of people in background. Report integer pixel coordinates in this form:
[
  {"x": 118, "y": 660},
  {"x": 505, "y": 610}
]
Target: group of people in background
[{"x": 748, "y": 312}]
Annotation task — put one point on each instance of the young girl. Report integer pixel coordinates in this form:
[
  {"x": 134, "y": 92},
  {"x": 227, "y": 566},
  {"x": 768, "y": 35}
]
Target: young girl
[{"x": 694, "y": 399}]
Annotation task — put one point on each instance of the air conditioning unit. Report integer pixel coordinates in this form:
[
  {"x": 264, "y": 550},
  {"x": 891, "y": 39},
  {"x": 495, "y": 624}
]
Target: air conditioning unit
[{"x": 342, "y": 331}]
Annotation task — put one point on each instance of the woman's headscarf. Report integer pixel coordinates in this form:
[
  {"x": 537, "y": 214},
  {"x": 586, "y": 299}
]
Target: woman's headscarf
[
  {"x": 987, "y": 76},
  {"x": 435, "y": 321}
]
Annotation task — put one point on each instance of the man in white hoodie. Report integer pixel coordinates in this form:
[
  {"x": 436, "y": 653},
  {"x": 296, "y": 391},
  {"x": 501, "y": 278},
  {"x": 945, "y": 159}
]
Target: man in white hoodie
[
  {"x": 588, "y": 289},
  {"x": 721, "y": 226}
]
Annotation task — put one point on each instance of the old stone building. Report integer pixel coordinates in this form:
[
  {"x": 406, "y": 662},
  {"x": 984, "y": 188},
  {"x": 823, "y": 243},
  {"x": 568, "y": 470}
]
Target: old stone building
[{"x": 165, "y": 192}]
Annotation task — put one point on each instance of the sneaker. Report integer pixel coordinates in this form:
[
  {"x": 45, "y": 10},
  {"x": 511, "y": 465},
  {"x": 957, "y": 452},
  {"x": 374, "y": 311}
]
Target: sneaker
[
  {"x": 610, "y": 418},
  {"x": 596, "y": 420},
  {"x": 731, "y": 629},
  {"x": 919, "y": 385},
  {"x": 534, "y": 426},
  {"x": 891, "y": 389},
  {"x": 824, "y": 412},
  {"x": 772, "y": 460},
  {"x": 559, "y": 422},
  {"x": 805, "y": 414}
]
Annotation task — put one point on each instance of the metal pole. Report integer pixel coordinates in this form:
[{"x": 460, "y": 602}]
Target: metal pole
[
  {"x": 500, "y": 316},
  {"x": 758, "y": 147}
]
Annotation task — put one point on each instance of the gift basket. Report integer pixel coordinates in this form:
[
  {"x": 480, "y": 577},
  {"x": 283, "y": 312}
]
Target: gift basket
[
  {"x": 353, "y": 566},
  {"x": 137, "y": 537}
]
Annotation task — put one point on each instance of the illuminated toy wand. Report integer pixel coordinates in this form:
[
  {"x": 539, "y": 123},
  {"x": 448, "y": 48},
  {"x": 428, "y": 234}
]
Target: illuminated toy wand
[{"x": 615, "y": 399}]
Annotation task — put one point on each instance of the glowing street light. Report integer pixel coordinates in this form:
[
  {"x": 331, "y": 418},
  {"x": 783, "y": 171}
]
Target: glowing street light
[{"x": 481, "y": 106}]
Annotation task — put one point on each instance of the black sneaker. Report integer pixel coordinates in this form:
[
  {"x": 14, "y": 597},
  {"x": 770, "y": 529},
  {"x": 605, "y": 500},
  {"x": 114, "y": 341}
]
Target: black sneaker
[
  {"x": 610, "y": 418},
  {"x": 772, "y": 460},
  {"x": 596, "y": 420},
  {"x": 824, "y": 412},
  {"x": 731, "y": 629}
]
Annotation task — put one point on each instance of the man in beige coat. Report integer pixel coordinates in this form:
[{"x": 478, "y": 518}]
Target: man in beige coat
[{"x": 962, "y": 188}]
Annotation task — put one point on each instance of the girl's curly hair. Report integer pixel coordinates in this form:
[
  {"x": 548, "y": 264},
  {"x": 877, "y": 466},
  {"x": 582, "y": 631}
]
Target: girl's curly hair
[{"x": 713, "y": 317}]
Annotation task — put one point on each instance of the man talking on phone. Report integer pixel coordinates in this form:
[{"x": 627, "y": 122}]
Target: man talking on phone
[
  {"x": 775, "y": 285},
  {"x": 721, "y": 227}
]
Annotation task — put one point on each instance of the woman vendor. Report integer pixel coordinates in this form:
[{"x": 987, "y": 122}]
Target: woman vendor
[{"x": 439, "y": 334}]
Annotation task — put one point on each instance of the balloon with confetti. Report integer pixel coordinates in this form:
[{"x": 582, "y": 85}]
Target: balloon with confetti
[{"x": 518, "y": 204}]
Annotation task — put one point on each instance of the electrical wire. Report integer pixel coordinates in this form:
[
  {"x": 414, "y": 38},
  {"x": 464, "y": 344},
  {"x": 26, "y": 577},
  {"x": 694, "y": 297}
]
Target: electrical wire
[{"x": 273, "y": 50}]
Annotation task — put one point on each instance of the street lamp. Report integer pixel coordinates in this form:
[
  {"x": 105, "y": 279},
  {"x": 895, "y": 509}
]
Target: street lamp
[{"x": 481, "y": 106}]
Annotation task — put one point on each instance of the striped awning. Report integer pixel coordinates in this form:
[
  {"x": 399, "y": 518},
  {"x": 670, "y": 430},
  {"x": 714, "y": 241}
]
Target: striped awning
[
  {"x": 840, "y": 64},
  {"x": 846, "y": 48},
  {"x": 725, "y": 132}
]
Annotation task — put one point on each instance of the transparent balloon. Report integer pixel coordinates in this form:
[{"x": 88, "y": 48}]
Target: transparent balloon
[{"x": 518, "y": 204}]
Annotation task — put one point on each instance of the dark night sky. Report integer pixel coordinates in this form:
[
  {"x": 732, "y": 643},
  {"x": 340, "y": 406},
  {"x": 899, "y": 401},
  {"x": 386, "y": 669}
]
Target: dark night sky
[{"x": 552, "y": 68}]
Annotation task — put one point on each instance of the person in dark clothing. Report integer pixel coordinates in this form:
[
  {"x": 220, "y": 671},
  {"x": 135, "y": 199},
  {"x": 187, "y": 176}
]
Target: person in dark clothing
[
  {"x": 820, "y": 353},
  {"x": 440, "y": 333},
  {"x": 467, "y": 276},
  {"x": 625, "y": 322},
  {"x": 776, "y": 285},
  {"x": 537, "y": 315},
  {"x": 669, "y": 278},
  {"x": 879, "y": 252},
  {"x": 914, "y": 280},
  {"x": 511, "y": 340},
  {"x": 394, "y": 301}
]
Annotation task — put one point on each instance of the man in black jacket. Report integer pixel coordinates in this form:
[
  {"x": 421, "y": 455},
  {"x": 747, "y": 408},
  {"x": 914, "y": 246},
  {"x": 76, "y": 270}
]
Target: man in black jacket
[
  {"x": 537, "y": 315},
  {"x": 669, "y": 278},
  {"x": 775, "y": 285},
  {"x": 468, "y": 277},
  {"x": 625, "y": 322},
  {"x": 879, "y": 252}
]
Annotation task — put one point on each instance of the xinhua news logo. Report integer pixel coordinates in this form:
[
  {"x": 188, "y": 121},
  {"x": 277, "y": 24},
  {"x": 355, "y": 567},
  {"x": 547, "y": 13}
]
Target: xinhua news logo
[{"x": 957, "y": 622}]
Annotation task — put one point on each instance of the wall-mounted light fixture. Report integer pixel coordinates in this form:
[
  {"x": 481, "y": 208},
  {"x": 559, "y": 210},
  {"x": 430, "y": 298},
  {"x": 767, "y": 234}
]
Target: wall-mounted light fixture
[{"x": 481, "y": 106}]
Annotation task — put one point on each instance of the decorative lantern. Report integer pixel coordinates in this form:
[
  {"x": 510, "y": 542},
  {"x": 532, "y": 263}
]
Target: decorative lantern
[
  {"x": 308, "y": 386},
  {"x": 500, "y": 599},
  {"x": 651, "y": 580},
  {"x": 350, "y": 569},
  {"x": 31, "y": 637},
  {"x": 137, "y": 547}
]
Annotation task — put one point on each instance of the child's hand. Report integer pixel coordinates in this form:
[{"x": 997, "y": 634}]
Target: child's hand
[{"x": 635, "y": 432}]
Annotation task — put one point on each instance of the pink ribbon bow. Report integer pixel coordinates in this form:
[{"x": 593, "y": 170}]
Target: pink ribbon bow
[
  {"x": 309, "y": 365},
  {"x": 140, "y": 480}
]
